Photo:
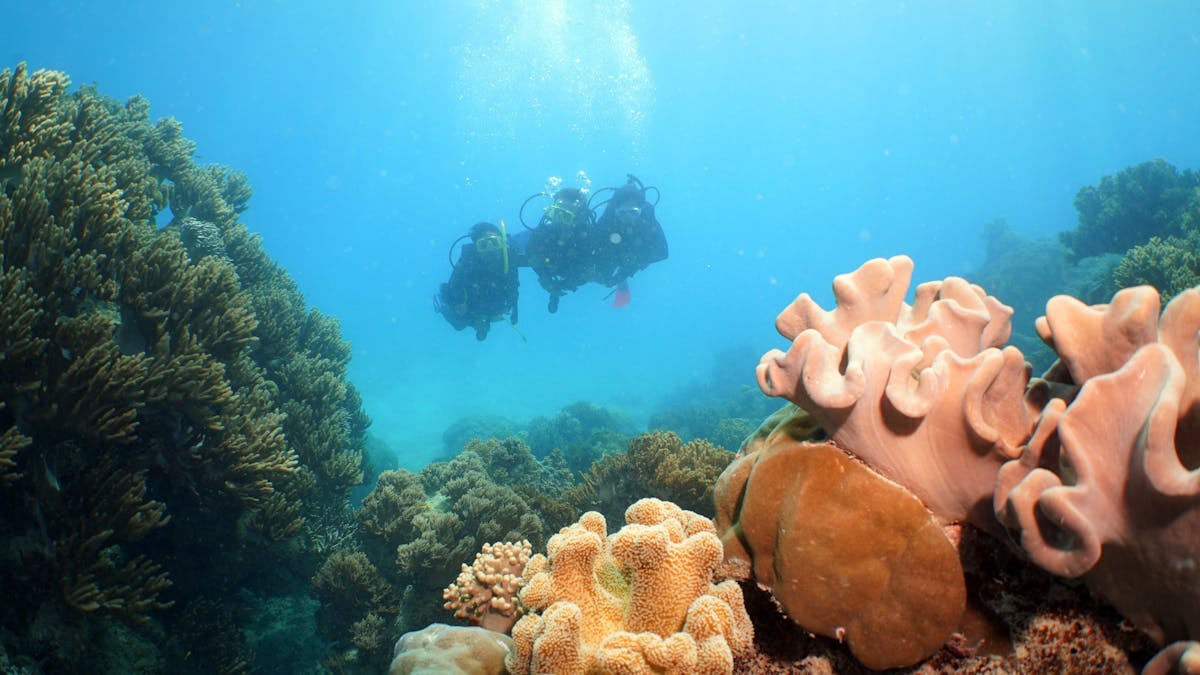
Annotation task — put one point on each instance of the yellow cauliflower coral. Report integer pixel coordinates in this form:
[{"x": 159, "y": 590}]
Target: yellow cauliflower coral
[{"x": 638, "y": 601}]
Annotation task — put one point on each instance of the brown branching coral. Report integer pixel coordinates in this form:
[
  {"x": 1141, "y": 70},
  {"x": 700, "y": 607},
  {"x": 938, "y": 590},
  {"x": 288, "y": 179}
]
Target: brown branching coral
[
  {"x": 93, "y": 570},
  {"x": 125, "y": 358},
  {"x": 11, "y": 442},
  {"x": 101, "y": 384},
  {"x": 657, "y": 464}
]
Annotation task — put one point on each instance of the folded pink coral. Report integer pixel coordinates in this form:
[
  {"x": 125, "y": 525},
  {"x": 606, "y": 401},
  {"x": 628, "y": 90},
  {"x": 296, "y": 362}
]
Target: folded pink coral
[
  {"x": 923, "y": 393},
  {"x": 1109, "y": 486}
]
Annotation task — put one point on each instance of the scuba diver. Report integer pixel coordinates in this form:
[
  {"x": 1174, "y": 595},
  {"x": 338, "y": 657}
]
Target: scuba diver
[
  {"x": 627, "y": 237},
  {"x": 483, "y": 285},
  {"x": 561, "y": 248}
]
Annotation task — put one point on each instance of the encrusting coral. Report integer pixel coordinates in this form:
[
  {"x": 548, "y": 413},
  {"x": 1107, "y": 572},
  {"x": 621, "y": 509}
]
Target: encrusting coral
[
  {"x": 439, "y": 649},
  {"x": 640, "y": 600}
]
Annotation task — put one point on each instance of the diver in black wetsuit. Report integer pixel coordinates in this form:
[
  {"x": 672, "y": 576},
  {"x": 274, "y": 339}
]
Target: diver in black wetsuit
[
  {"x": 483, "y": 286},
  {"x": 561, "y": 248},
  {"x": 628, "y": 237}
]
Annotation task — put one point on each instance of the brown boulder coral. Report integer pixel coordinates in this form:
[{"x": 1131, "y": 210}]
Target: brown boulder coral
[{"x": 846, "y": 553}]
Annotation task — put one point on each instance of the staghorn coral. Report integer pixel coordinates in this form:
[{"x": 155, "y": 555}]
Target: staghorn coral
[
  {"x": 1108, "y": 487},
  {"x": 923, "y": 394},
  {"x": 485, "y": 592},
  {"x": 11, "y": 442},
  {"x": 638, "y": 601},
  {"x": 846, "y": 553}
]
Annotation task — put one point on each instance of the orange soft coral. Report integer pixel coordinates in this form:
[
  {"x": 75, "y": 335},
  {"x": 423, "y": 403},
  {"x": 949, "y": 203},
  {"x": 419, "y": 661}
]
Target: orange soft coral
[{"x": 638, "y": 601}]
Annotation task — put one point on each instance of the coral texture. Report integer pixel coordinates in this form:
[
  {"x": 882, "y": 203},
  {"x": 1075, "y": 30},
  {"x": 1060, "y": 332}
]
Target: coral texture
[
  {"x": 1109, "y": 486},
  {"x": 846, "y": 553},
  {"x": 638, "y": 601},
  {"x": 485, "y": 592},
  {"x": 923, "y": 393},
  {"x": 657, "y": 464},
  {"x": 439, "y": 649}
]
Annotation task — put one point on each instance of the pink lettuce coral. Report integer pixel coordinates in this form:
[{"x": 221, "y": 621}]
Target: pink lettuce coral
[
  {"x": 924, "y": 394},
  {"x": 1108, "y": 488}
]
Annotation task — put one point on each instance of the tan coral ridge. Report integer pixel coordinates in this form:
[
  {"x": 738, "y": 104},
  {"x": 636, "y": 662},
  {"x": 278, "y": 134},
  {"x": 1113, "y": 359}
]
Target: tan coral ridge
[{"x": 640, "y": 600}]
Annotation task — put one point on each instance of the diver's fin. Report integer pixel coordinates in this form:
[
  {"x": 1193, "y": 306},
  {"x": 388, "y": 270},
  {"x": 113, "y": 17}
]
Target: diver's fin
[{"x": 622, "y": 296}]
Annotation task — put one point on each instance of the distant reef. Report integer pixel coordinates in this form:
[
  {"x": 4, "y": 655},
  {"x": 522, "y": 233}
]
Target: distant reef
[{"x": 177, "y": 434}]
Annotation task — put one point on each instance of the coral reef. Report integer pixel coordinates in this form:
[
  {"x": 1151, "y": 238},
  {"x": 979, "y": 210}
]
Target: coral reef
[
  {"x": 638, "y": 601},
  {"x": 583, "y": 432},
  {"x": 1126, "y": 209},
  {"x": 656, "y": 464},
  {"x": 1108, "y": 488},
  {"x": 415, "y": 531},
  {"x": 1093, "y": 467},
  {"x": 148, "y": 441}
]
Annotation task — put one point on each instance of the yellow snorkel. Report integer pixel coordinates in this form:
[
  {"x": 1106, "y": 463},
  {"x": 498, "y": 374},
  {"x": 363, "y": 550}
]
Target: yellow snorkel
[{"x": 504, "y": 245}]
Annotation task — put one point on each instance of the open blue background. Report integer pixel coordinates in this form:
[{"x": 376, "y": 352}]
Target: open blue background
[{"x": 791, "y": 141}]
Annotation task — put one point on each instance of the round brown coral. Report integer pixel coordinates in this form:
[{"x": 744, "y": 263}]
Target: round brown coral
[{"x": 847, "y": 553}]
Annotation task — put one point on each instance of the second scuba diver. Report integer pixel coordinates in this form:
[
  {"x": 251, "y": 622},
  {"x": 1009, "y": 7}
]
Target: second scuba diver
[{"x": 559, "y": 249}]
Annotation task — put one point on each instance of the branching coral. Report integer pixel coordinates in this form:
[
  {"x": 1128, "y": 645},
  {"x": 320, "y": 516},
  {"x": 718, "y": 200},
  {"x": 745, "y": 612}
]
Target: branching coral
[
  {"x": 1171, "y": 265},
  {"x": 656, "y": 464},
  {"x": 1131, "y": 206},
  {"x": 120, "y": 351},
  {"x": 638, "y": 601}
]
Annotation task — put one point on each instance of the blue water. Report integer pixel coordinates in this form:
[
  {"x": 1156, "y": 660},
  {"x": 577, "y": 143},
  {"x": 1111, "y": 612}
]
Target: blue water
[{"x": 790, "y": 141}]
